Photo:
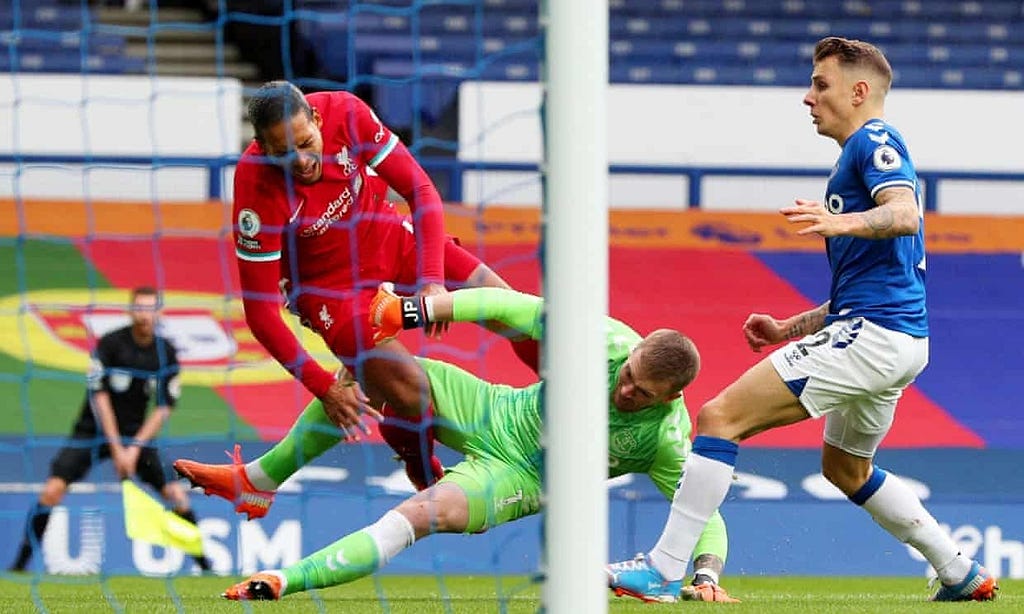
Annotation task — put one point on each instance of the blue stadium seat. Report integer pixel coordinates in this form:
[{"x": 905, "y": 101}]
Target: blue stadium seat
[
  {"x": 953, "y": 55},
  {"x": 649, "y": 27},
  {"x": 65, "y": 62},
  {"x": 400, "y": 103},
  {"x": 707, "y": 51},
  {"x": 34, "y": 40},
  {"x": 686, "y": 41},
  {"x": 981, "y": 78},
  {"x": 631, "y": 48},
  {"x": 511, "y": 5},
  {"x": 49, "y": 36},
  {"x": 719, "y": 9},
  {"x": 369, "y": 22},
  {"x": 397, "y": 98},
  {"x": 492, "y": 24},
  {"x": 1004, "y": 32},
  {"x": 639, "y": 72},
  {"x": 725, "y": 28},
  {"x": 43, "y": 15},
  {"x": 454, "y": 47},
  {"x": 999, "y": 10},
  {"x": 814, "y": 29},
  {"x": 749, "y": 52},
  {"x": 874, "y": 30},
  {"x": 744, "y": 75}
]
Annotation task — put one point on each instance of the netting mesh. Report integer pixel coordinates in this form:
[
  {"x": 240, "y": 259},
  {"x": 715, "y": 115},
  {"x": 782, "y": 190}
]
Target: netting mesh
[{"x": 125, "y": 122}]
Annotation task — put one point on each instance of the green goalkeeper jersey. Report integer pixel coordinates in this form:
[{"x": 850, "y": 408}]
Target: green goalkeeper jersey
[{"x": 654, "y": 441}]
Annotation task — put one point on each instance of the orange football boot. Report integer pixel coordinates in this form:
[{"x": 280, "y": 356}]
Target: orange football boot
[{"x": 228, "y": 482}]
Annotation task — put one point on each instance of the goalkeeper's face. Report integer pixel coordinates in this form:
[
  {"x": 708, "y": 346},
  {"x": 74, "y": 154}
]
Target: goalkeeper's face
[
  {"x": 299, "y": 145},
  {"x": 635, "y": 389}
]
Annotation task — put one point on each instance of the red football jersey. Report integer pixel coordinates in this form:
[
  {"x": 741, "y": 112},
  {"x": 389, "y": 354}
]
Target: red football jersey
[
  {"x": 326, "y": 236},
  {"x": 322, "y": 231}
]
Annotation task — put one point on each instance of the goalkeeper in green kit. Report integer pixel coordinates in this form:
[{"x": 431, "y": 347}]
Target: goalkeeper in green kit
[{"x": 498, "y": 427}]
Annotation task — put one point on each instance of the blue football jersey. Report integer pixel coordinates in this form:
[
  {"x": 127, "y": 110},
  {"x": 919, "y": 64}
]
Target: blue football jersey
[{"x": 879, "y": 279}]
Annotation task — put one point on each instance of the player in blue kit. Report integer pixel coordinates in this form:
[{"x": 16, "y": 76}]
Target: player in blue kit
[{"x": 848, "y": 360}]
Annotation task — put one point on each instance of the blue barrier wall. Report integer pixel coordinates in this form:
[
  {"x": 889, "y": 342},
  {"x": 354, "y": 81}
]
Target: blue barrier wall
[{"x": 781, "y": 517}]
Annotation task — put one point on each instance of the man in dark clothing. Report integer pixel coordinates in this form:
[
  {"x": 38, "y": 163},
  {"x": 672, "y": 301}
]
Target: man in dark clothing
[{"x": 129, "y": 366}]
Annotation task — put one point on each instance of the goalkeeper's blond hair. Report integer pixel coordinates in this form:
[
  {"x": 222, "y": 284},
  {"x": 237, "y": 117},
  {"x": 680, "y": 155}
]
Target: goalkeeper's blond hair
[{"x": 672, "y": 356}]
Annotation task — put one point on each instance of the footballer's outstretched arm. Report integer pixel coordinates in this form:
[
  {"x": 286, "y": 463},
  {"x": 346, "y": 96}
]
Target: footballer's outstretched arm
[
  {"x": 522, "y": 312},
  {"x": 261, "y": 300},
  {"x": 390, "y": 313}
]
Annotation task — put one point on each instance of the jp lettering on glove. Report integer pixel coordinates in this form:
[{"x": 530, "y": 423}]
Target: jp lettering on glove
[{"x": 390, "y": 313}]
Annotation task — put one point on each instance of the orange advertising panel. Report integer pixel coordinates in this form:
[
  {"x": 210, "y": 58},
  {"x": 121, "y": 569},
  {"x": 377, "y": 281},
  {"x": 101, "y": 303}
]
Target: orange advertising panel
[{"x": 689, "y": 228}]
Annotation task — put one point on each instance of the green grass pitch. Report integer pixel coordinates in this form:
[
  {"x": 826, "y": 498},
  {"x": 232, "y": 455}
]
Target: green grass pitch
[{"x": 471, "y": 595}]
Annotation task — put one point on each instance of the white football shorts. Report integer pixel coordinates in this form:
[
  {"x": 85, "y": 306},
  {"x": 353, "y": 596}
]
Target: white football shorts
[{"x": 853, "y": 372}]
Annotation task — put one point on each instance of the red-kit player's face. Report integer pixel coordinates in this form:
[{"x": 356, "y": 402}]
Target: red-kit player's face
[{"x": 299, "y": 138}]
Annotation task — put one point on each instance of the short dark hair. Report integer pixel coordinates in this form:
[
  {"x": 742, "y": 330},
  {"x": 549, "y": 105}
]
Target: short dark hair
[
  {"x": 670, "y": 355},
  {"x": 855, "y": 53},
  {"x": 274, "y": 102},
  {"x": 143, "y": 291}
]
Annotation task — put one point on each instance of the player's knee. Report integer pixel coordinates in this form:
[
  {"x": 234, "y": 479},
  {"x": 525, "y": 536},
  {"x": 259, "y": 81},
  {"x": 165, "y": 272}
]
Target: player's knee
[
  {"x": 715, "y": 420},
  {"x": 430, "y": 516},
  {"x": 405, "y": 389},
  {"x": 53, "y": 492}
]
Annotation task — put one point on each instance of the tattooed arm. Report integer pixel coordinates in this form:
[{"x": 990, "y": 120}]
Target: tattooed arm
[
  {"x": 896, "y": 214},
  {"x": 762, "y": 330},
  {"x": 803, "y": 324}
]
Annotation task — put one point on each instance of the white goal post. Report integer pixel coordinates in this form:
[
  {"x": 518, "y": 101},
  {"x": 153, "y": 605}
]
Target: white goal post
[{"x": 575, "y": 284}]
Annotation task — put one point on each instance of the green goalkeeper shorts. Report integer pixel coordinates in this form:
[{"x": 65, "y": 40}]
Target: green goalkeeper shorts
[{"x": 497, "y": 428}]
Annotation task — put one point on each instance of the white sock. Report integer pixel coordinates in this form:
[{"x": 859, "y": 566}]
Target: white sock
[
  {"x": 392, "y": 534},
  {"x": 955, "y": 571},
  {"x": 896, "y": 508},
  {"x": 702, "y": 489},
  {"x": 708, "y": 572},
  {"x": 258, "y": 477}
]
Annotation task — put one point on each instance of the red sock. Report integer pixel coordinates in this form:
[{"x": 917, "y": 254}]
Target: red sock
[
  {"x": 412, "y": 438},
  {"x": 528, "y": 351}
]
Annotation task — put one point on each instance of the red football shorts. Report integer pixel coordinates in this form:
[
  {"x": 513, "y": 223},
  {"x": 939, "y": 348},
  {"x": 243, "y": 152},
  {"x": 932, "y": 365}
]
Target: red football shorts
[{"x": 341, "y": 315}]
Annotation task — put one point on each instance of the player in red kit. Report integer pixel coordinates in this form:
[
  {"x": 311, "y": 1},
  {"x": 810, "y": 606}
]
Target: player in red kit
[{"x": 312, "y": 220}]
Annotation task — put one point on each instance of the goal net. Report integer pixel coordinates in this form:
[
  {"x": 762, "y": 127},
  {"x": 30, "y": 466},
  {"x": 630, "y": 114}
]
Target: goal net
[{"x": 123, "y": 125}]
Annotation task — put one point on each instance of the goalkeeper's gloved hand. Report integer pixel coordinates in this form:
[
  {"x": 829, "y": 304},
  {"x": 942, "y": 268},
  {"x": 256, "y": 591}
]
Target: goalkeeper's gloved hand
[{"x": 390, "y": 313}]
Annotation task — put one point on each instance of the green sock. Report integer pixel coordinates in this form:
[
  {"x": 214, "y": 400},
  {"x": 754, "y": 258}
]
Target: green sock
[
  {"x": 311, "y": 435},
  {"x": 347, "y": 559}
]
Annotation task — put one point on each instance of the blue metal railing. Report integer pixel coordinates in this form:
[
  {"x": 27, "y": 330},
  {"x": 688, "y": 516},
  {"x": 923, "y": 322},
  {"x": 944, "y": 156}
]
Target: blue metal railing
[{"x": 454, "y": 169}]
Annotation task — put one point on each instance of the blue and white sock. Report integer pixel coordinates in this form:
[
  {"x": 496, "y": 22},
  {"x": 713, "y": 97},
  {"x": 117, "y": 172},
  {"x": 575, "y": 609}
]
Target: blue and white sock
[
  {"x": 707, "y": 475},
  {"x": 898, "y": 510}
]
